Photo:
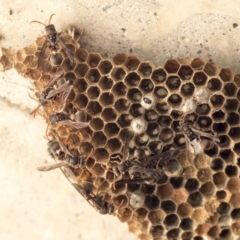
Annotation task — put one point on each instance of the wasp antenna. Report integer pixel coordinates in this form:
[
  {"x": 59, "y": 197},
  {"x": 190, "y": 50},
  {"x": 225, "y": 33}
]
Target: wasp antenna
[
  {"x": 38, "y": 22},
  {"x": 50, "y": 18}
]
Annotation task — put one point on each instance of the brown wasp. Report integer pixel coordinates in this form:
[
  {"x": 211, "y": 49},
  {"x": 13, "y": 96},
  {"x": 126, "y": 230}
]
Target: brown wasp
[
  {"x": 55, "y": 42},
  {"x": 59, "y": 152},
  {"x": 65, "y": 119}
]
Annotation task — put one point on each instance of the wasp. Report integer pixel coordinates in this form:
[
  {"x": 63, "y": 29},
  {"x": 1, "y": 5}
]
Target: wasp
[{"x": 55, "y": 42}]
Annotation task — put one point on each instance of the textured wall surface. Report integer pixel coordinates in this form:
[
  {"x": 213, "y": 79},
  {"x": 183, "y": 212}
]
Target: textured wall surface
[{"x": 37, "y": 205}]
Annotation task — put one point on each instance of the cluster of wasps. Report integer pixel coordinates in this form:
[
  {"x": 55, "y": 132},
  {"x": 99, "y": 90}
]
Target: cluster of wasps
[{"x": 137, "y": 169}]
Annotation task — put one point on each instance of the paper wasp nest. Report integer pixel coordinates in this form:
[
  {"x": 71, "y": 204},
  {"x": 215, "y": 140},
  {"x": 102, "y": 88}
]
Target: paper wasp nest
[{"x": 197, "y": 194}]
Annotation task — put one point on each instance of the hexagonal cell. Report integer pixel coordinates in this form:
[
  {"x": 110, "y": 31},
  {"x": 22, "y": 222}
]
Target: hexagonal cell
[
  {"x": 220, "y": 128},
  {"x": 141, "y": 139},
  {"x": 157, "y": 232},
  {"x": 101, "y": 155},
  {"x": 152, "y": 202},
  {"x": 99, "y": 139},
  {"x": 173, "y": 83},
  {"x": 96, "y": 124},
  {"x": 132, "y": 79},
  {"x": 93, "y": 76},
  {"x": 105, "y": 83},
  {"x": 118, "y": 74},
  {"x": 106, "y": 99},
  {"x": 21, "y": 68},
  {"x": 45, "y": 66},
  {"x": 122, "y": 105},
  {"x": 31, "y": 61},
  {"x": 81, "y": 55},
  {"x": 218, "y": 116},
  {"x": 227, "y": 155},
  {"x": 136, "y": 110},
  {"x": 210, "y": 69},
  {"x": 98, "y": 170},
  {"x": 187, "y": 224},
  {"x": 173, "y": 233},
  {"x": 160, "y": 92},
  {"x": 114, "y": 145},
  {"x": 105, "y": 67},
  {"x": 66, "y": 64},
  {"x": 220, "y": 179},
  {"x": 165, "y": 191},
  {"x": 168, "y": 206},
  {"x": 93, "y": 59},
  {"x": 200, "y": 78},
  {"x": 226, "y": 75},
  {"x": 156, "y": 217},
  {"x": 213, "y": 151},
  {"x": 164, "y": 121},
  {"x": 166, "y": 135},
  {"x": 234, "y": 133},
  {"x": 171, "y": 66},
  {"x": 231, "y": 171},
  {"x": 124, "y": 214},
  {"x": 225, "y": 141},
  {"x": 237, "y": 148},
  {"x": 208, "y": 189},
  {"x": 109, "y": 114},
  {"x": 187, "y": 235},
  {"x": 204, "y": 122},
  {"x": 187, "y": 89},
  {"x": 195, "y": 199},
  {"x": 235, "y": 214},
  {"x": 153, "y": 130},
  {"x": 34, "y": 74},
  {"x": 146, "y": 85},
  {"x": 151, "y": 115},
  {"x": 214, "y": 84},
  {"x": 81, "y": 70},
  {"x": 140, "y": 214},
  {"x": 217, "y": 164},
  {"x": 179, "y": 140},
  {"x": 230, "y": 89},
  {"x": 119, "y": 59},
  {"x": 94, "y": 108},
  {"x": 21, "y": 55},
  {"x": 223, "y": 208},
  {"x": 80, "y": 85},
  {"x": 119, "y": 89},
  {"x": 111, "y": 129},
  {"x": 158, "y": 76},
  {"x": 217, "y": 100},
  {"x": 171, "y": 220},
  {"x": 177, "y": 182},
  {"x": 197, "y": 64},
  {"x": 93, "y": 92},
  {"x": 192, "y": 185},
  {"x": 231, "y": 105},
  {"x": 175, "y": 100},
  {"x": 124, "y": 120},
  {"x": 145, "y": 69},
  {"x": 134, "y": 95},
  {"x": 185, "y": 72},
  {"x": 132, "y": 63},
  {"x": 121, "y": 201},
  {"x": 80, "y": 101}
]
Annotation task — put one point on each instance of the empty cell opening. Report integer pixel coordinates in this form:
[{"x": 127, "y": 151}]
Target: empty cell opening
[
  {"x": 168, "y": 206},
  {"x": 230, "y": 89},
  {"x": 152, "y": 202},
  {"x": 105, "y": 83},
  {"x": 197, "y": 64},
  {"x": 220, "y": 179},
  {"x": 204, "y": 122},
  {"x": 220, "y": 128},
  {"x": 118, "y": 74},
  {"x": 224, "y": 141},
  {"x": 185, "y": 72},
  {"x": 179, "y": 140},
  {"x": 173, "y": 83},
  {"x": 160, "y": 92},
  {"x": 223, "y": 208},
  {"x": 233, "y": 118},
  {"x": 187, "y": 89},
  {"x": 231, "y": 105},
  {"x": 187, "y": 224},
  {"x": 162, "y": 107},
  {"x": 208, "y": 189},
  {"x": 111, "y": 129},
  {"x": 212, "y": 152},
  {"x": 226, "y": 75},
  {"x": 214, "y": 84},
  {"x": 119, "y": 59},
  {"x": 94, "y": 108},
  {"x": 192, "y": 185},
  {"x": 99, "y": 139},
  {"x": 80, "y": 101},
  {"x": 56, "y": 60},
  {"x": 93, "y": 76},
  {"x": 195, "y": 199},
  {"x": 210, "y": 69},
  {"x": 221, "y": 194},
  {"x": 217, "y": 164},
  {"x": 81, "y": 55},
  {"x": 132, "y": 63},
  {"x": 198, "y": 238},
  {"x": 156, "y": 217},
  {"x": 164, "y": 121},
  {"x": 187, "y": 235},
  {"x": 81, "y": 70},
  {"x": 147, "y": 189},
  {"x": 153, "y": 130},
  {"x": 124, "y": 120},
  {"x": 93, "y": 59},
  {"x": 203, "y": 109},
  {"x": 199, "y": 78},
  {"x": 227, "y": 155},
  {"x": 173, "y": 233},
  {"x": 237, "y": 149},
  {"x": 231, "y": 171},
  {"x": 235, "y": 214},
  {"x": 218, "y": 115},
  {"x": 175, "y": 100},
  {"x": 157, "y": 231},
  {"x": 121, "y": 201},
  {"x": 141, "y": 139},
  {"x": 145, "y": 69},
  {"x": 177, "y": 182},
  {"x": 109, "y": 114},
  {"x": 159, "y": 75},
  {"x": 106, "y": 99},
  {"x": 101, "y": 155},
  {"x": 166, "y": 135},
  {"x": 80, "y": 85},
  {"x": 141, "y": 214},
  {"x": 132, "y": 79},
  {"x": 217, "y": 100},
  {"x": 90, "y": 162},
  {"x": 234, "y": 133},
  {"x": 172, "y": 66},
  {"x": 114, "y": 145},
  {"x": 134, "y": 95},
  {"x": 96, "y": 124},
  {"x": 119, "y": 188},
  {"x": 119, "y": 89},
  {"x": 136, "y": 110},
  {"x": 122, "y": 104},
  {"x": 93, "y": 92},
  {"x": 146, "y": 85},
  {"x": 171, "y": 220},
  {"x": 151, "y": 115},
  {"x": 105, "y": 67},
  {"x": 133, "y": 187}
]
